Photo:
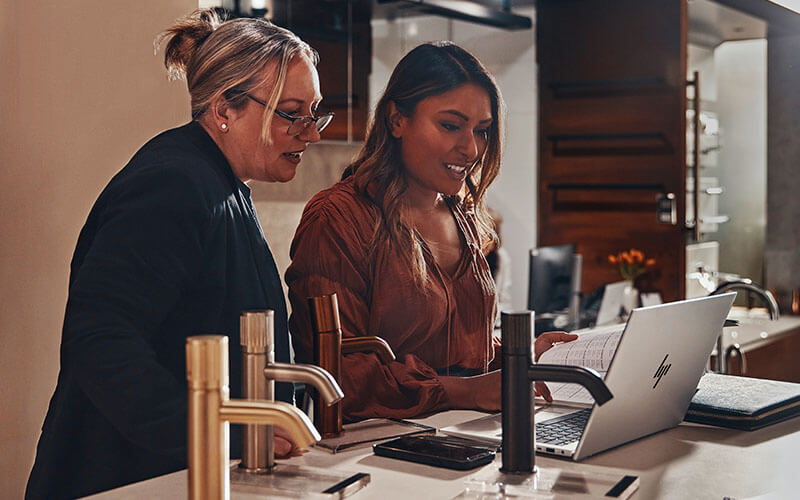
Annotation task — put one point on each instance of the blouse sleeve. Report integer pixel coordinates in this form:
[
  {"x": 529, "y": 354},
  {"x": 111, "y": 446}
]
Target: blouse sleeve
[{"x": 330, "y": 253}]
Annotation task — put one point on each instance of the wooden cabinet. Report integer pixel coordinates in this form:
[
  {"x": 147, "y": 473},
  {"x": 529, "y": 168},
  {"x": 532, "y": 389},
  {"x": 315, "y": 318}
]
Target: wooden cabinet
[
  {"x": 340, "y": 31},
  {"x": 612, "y": 139}
]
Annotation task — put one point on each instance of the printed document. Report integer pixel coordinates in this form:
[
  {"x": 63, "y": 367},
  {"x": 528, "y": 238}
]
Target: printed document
[{"x": 594, "y": 348}]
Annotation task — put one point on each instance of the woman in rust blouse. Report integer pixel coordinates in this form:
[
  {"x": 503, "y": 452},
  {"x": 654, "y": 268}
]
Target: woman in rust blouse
[{"x": 400, "y": 241}]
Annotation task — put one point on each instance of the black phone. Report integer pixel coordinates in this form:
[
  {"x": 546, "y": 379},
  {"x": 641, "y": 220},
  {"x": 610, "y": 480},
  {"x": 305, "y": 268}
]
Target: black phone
[{"x": 438, "y": 451}]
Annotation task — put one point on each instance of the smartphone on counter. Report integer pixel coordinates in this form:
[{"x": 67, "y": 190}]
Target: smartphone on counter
[{"x": 439, "y": 451}]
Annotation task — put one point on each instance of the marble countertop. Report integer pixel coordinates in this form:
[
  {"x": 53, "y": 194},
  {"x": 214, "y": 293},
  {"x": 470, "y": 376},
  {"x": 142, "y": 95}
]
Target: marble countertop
[{"x": 689, "y": 461}]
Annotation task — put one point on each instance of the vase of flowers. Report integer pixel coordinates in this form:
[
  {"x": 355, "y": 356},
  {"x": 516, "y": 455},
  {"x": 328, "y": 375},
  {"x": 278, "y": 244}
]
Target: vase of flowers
[{"x": 631, "y": 264}]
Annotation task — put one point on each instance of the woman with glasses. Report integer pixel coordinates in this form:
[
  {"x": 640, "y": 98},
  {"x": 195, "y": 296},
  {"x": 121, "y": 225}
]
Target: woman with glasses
[
  {"x": 173, "y": 248},
  {"x": 400, "y": 240}
]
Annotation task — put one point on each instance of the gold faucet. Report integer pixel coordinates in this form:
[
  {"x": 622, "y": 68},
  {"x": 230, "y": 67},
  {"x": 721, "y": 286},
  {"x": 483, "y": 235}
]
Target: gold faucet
[
  {"x": 259, "y": 374},
  {"x": 328, "y": 349},
  {"x": 211, "y": 411}
]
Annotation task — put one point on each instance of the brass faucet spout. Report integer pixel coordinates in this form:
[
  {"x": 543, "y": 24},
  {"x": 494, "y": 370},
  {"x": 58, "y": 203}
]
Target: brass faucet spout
[
  {"x": 295, "y": 422},
  {"x": 322, "y": 381},
  {"x": 369, "y": 344}
]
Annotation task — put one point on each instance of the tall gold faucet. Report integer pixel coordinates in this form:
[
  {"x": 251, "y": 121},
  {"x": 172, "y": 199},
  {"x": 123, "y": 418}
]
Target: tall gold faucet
[
  {"x": 259, "y": 374},
  {"x": 328, "y": 349},
  {"x": 211, "y": 411}
]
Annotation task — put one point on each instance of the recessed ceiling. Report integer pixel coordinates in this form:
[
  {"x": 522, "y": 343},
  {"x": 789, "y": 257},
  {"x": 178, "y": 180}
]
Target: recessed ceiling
[{"x": 710, "y": 24}]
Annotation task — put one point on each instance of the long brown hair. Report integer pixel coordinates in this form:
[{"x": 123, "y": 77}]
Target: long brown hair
[
  {"x": 229, "y": 58},
  {"x": 428, "y": 70}
]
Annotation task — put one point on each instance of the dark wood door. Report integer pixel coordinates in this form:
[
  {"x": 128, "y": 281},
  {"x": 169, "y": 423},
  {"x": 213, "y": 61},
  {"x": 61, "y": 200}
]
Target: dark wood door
[{"x": 612, "y": 134}]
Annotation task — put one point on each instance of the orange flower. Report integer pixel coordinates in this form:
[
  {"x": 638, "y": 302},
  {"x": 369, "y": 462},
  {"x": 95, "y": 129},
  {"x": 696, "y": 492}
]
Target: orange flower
[{"x": 631, "y": 263}]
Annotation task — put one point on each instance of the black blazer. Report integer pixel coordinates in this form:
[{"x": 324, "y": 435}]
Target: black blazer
[{"x": 172, "y": 248}]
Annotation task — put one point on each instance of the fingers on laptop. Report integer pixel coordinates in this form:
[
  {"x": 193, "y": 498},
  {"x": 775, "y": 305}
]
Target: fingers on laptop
[{"x": 543, "y": 391}]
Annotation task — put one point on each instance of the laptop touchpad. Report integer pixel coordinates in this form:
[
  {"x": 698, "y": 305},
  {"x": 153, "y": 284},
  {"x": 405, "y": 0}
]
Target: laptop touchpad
[{"x": 546, "y": 412}]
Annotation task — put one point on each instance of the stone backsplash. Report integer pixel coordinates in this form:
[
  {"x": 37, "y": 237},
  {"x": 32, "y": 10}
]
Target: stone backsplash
[{"x": 280, "y": 205}]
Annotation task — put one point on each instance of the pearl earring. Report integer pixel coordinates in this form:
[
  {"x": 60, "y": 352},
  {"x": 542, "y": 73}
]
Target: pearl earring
[{"x": 224, "y": 127}]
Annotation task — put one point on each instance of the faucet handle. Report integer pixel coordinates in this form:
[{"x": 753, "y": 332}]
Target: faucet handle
[
  {"x": 324, "y": 313},
  {"x": 207, "y": 362},
  {"x": 256, "y": 331},
  {"x": 517, "y": 333}
]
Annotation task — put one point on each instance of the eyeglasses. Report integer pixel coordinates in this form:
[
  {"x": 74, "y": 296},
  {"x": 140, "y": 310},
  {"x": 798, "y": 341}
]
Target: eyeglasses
[{"x": 300, "y": 123}]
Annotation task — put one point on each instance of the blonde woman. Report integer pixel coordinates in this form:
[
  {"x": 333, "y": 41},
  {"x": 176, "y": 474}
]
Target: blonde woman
[
  {"x": 400, "y": 240},
  {"x": 173, "y": 248}
]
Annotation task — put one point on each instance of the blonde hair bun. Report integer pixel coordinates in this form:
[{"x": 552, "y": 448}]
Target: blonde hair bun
[
  {"x": 226, "y": 59},
  {"x": 184, "y": 37}
]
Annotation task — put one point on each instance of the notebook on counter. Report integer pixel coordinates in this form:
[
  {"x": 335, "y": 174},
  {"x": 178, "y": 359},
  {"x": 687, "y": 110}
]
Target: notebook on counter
[
  {"x": 742, "y": 402},
  {"x": 369, "y": 431},
  {"x": 651, "y": 365}
]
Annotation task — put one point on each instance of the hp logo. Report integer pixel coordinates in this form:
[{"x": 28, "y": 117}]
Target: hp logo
[{"x": 662, "y": 370}]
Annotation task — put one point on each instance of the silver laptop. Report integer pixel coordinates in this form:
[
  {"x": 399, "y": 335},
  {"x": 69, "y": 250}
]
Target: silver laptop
[{"x": 652, "y": 371}]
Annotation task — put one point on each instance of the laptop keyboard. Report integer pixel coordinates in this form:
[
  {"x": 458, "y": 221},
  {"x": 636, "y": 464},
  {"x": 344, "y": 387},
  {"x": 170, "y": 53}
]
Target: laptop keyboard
[{"x": 563, "y": 430}]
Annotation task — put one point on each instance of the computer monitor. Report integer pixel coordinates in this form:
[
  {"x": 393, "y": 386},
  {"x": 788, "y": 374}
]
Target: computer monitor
[{"x": 552, "y": 280}]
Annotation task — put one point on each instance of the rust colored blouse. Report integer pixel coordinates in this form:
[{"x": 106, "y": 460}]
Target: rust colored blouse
[{"x": 445, "y": 329}]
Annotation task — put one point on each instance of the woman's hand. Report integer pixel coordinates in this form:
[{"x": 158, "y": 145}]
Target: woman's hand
[
  {"x": 284, "y": 446},
  {"x": 547, "y": 340},
  {"x": 481, "y": 392},
  {"x": 542, "y": 343}
]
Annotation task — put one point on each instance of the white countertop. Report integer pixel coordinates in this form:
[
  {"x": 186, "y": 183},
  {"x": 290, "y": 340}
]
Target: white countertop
[
  {"x": 687, "y": 462},
  {"x": 754, "y": 331}
]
